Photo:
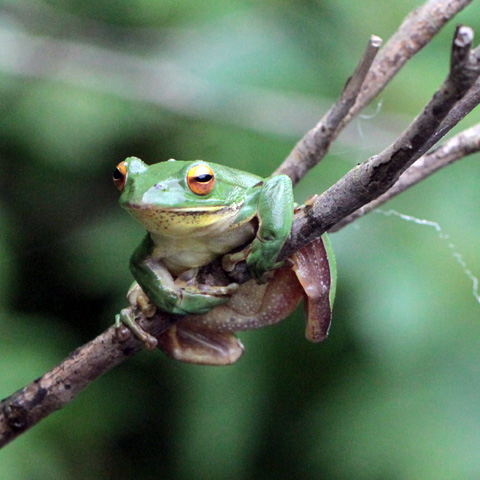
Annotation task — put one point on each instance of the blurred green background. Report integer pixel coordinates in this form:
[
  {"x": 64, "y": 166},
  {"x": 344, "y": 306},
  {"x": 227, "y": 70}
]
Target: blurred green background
[{"x": 395, "y": 390}]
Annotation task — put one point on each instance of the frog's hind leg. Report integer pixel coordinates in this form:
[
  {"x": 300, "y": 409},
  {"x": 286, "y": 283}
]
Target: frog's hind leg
[
  {"x": 311, "y": 265},
  {"x": 190, "y": 343}
]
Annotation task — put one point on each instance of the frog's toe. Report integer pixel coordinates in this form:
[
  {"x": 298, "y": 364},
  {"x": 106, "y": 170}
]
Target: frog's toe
[
  {"x": 146, "y": 306},
  {"x": 150, "y": 342},
  {"x": 127, "y": 318},
  {"x": 218, "y": 290},
  {"x": 122, "y": 332},
  {"x": 231, "y": 259}
]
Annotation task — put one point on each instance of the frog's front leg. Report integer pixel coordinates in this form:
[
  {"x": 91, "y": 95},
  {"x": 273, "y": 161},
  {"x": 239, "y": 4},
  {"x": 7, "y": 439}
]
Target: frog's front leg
[
  {"x": 275, "y": 215},
  {"x": 169, "y": 295},
  {"x": 156, "y": 288}
]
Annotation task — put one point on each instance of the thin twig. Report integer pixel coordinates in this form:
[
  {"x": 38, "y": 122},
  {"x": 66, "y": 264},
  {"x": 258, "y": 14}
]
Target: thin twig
[{"x": 315, "y": 144}]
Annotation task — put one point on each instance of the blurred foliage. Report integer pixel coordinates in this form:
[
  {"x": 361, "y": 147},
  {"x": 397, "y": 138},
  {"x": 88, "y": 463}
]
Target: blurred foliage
[{"x": 393, "y": 393}]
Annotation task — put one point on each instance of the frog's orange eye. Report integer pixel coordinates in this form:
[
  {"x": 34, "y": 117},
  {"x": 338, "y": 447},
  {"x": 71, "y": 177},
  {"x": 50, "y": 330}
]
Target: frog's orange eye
[
  {"x": 120, "y": 176},
  {"x": 200, "y": 179}
]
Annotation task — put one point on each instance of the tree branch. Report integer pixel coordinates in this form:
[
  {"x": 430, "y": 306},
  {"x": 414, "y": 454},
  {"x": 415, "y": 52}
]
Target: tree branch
[
  {"x": 416, "y": 31},
  {"x": 374, "y": 177},
  {"x": 456, "y": 148},
  {"x": 61, "y": 385},
  {"x": 373, "y": 74},
  {"x": 360, "y": 186}
]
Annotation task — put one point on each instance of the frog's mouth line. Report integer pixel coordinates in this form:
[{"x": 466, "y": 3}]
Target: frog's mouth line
[{"x": 218, "y": 209}]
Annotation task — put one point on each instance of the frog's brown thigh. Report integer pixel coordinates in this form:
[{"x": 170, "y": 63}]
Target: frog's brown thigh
[{"x": 253, "y": 305}]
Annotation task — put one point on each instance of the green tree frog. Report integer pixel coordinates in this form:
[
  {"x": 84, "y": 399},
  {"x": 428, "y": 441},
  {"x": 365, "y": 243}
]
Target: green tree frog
[{"x": 195, "y": 212}]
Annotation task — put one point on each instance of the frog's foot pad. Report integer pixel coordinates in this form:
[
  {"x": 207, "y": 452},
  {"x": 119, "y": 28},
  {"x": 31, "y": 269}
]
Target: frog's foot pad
[{"x": 190, "y": 345}]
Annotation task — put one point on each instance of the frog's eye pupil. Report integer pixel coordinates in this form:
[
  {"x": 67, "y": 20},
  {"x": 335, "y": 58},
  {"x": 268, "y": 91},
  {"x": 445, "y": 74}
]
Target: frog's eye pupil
[
  {"x": 201, "y": 179},
  {"x": 120, "y": 176},
  {"x": 204, "y": 178}
]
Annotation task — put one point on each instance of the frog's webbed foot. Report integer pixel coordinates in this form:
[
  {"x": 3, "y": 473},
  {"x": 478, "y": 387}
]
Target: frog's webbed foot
[
  {"x": 192, "y": 297},
  {"x": 129, "y": 320},
  {"x": 140, "y": 305},
  {"x": 189, "y": 282}
]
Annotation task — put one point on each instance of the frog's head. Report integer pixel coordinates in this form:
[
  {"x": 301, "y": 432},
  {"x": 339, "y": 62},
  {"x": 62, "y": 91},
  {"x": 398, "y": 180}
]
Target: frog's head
[{"x": 178, "y": 195}]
